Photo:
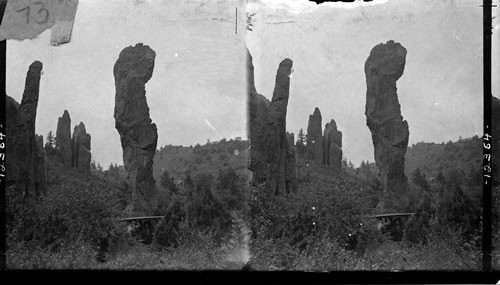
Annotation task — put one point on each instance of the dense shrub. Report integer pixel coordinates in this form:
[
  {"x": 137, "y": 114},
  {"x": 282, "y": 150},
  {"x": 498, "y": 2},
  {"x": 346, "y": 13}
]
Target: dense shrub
[
  {"x": 77, "y": 210},
  {"x": 332, "y": 204},
  {"x": 457, "y": 210},
  {"x": 417, "y": 227},
  {"x": 230, "y": 189},
  {"x": 203, "y": 209},
  {"x": 167, "y": 230}
]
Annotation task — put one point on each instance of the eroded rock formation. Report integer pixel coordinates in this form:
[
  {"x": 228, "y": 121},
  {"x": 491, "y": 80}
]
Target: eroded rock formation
[
  {"x": 63, "y": 139},
  {"x": 12, "y": 112},
  {"x": 24, "y": 157},
  {"x": 40, "y": 168},
  {"x": 314, "y": 147},
  {"x": 80, "y": 146},
  {"x": 332, "y": 146},
  {"x": 270, "y": 151},
  {"x": 383, "y": 68},
  {"x": 138, "y": 134},
  {"x": 258, "y": 107},
  {"x": 275, "y": 129},
  {"x": 291, "y": 174}
]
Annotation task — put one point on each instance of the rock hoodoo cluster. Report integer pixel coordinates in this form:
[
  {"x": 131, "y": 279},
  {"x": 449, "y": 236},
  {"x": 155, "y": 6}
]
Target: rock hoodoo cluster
[
  {"x": 332, "y": 146},
  {"x": 323, "y": 147},
  {"x": 314, "y": 148},
  {"x": 73, "y": 151},
  {"x": 26, "y": 158},
  {"x": 272, "y": 153},
  {"x": 80, "y": 146},
  {"x": 63, "y": 139},
  {"x": 138, "y": 134},
  {"x": 390, "y": 133}
]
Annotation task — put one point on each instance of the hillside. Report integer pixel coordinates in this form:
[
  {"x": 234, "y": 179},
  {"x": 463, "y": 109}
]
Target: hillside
[
  {"x": 432, "y": 158},
  {"x": 208, "y": 158}
]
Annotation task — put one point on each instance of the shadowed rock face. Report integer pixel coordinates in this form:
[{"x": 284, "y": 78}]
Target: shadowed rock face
[
  {"x": 84, "y": 159},
  {"x": 80, "y": 146},
  {"x": 23, "y": 158},
  {"x": 495, "y": 120},
  {"x": 40, "y": 168},
  {"x": 270, "y": 152},
  {"x": 63, "y": 139},
  {"x": 138, "y": 134},
  {"x": 258, "y": 107},
  {"x": 332, "y": 146},
  {"x": 12, "y": 112},
  {"x": 314, "y": 147},
  {"x": 390, "y": 133},
  {"x": 291, "y": 174},
  {"x": 275, "y": 129}
]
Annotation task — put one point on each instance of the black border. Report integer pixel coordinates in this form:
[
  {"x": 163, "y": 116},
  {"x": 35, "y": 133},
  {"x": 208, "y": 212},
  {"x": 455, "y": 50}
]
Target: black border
[
  {"x": 274, "y": 277},
  {"x": 3, "y": 201},
  {"x": 487, "y": 32}
]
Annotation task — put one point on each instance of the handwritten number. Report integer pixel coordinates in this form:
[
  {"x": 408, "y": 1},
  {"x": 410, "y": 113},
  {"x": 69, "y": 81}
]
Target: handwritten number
[
  {"x": 41, "y": 10},
  {"x": 27, "y": 9}
]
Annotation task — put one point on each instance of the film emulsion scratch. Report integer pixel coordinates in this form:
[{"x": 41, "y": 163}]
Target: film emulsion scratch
[{"x": 250, "y": 135}]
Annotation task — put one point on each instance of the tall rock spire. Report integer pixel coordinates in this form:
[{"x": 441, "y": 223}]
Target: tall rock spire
[
  {"x": 138, "y": 134},
  {"x": 314, "y": 147},
  {"x": 24, "y": 157},
  {"x": 272, "y": 154},
  {"x": 383, "y": 68},
  {"x": 63, "y": 139}
]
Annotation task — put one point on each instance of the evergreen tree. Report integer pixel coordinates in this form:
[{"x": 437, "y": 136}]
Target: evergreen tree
[
  {"x": 301, "y": 137},
  {"x": 51, "y": 141},
  {"x": 455, "y": 208},
  {"x": 301, "y": 143},
  {"x": 419, "y": 179},
  {"x": 416, "y": 228},
  {"x": 350, "y": 164},
  {"x": 228, "y": 189},
  {"x": 204, "y": 210},
  {"x": 440, "y": 178},
  {"x": 168, "y": 183},
  {"x": 475, "y": 177}
]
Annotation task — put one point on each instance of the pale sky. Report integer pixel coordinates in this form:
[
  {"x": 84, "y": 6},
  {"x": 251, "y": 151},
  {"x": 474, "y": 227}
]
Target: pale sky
[
  {"x": 197, "y": 91},
  {"x": 198, "y": 88},
  {"x": 440, "y": 91}
]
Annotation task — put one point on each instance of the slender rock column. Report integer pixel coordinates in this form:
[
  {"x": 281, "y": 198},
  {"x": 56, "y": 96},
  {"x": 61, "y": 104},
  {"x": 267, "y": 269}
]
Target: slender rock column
[
  {"x": 390, "y": 133},
  {"x": 138, "y": 134}
]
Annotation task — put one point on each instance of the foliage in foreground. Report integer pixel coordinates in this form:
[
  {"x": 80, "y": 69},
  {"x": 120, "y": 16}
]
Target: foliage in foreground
[
  {"x": 77, "y": 215},
  {"x": 443, "y": 251}
]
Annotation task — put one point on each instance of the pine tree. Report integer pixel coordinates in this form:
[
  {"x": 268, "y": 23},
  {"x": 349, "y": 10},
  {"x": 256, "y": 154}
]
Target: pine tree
[
  {"x": 419, "y": 179},
  {"x": 440, "y": 178},
  {"x": 300, "y": 144},
  {"x": 168, "y": 182},
  {"x": 51, "y": 141},
  {"x": 301, "y": 137}
]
